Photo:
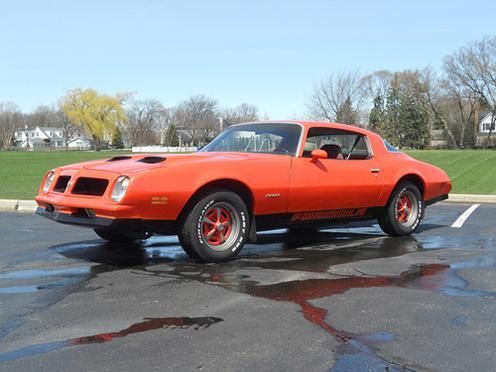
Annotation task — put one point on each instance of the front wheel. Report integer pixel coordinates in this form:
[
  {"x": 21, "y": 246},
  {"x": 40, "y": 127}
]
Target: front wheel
[
  {"x": 403, "y": 212},
  {"x": 216, "y": 228}
]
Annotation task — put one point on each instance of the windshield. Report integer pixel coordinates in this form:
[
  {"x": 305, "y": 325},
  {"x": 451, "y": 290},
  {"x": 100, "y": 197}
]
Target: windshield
[{"x": 275, "y": 138}]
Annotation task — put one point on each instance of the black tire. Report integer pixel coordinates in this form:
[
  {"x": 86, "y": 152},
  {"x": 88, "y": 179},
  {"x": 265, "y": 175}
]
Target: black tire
[
  {"x": 216, "y": 228},
  {"x": 188, "y": 249},
  {"x": 404, "y": 211},
  {"x": 116, "y": 236}
]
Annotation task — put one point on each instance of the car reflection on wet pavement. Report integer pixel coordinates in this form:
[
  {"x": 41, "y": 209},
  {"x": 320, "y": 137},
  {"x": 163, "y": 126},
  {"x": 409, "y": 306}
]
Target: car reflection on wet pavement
[{"x": 285, "y": 268}]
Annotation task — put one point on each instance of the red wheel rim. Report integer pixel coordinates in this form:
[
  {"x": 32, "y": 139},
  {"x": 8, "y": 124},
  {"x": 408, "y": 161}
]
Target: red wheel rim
[
  {"x": 217, "y": 225},
  {"x": 403, "y": 208}
]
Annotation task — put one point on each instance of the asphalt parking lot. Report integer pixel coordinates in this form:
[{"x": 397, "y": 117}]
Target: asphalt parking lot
[{"x": 331, "y": 300}]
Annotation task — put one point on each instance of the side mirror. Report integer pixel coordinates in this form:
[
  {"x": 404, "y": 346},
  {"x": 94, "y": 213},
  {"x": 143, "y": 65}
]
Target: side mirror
[{"x": 318, "y": 154}]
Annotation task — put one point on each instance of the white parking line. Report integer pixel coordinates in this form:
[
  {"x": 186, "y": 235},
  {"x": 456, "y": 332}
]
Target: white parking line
[{"x": 464, "y": 216}]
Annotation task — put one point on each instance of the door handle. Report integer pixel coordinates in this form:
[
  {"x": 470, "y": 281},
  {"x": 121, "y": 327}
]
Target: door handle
[{"x": 374, "y": 170}]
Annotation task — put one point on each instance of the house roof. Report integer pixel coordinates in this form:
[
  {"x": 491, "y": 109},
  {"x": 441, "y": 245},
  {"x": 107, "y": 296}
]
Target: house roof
[
  {"x": 53, "y": 129},
  {"x": 44, "y": 129},
  {"x": 80, "y": 138},
  {"x": 483, "y": 115}
]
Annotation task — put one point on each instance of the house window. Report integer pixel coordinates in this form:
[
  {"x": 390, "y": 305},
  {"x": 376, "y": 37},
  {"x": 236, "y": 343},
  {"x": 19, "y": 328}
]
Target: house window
[{"x": 486, "y": 127}]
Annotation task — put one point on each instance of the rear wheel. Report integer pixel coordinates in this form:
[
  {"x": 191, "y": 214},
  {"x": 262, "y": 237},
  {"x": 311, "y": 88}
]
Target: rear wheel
[
  {"x": 216, "y": 228},
  {"x": 118, "y": 236},
  {"x": 404, "y": 211}
]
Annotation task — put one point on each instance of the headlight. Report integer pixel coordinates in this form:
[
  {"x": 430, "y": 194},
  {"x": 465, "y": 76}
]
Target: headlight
[
  {"x": 120, "y": 188},
  {"x": 48, "y": 181}
]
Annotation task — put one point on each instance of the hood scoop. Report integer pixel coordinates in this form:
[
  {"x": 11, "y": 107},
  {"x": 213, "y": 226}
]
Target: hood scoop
[
  {"x": 118, "y": 158},
  {"x": 152, "y": 159}
]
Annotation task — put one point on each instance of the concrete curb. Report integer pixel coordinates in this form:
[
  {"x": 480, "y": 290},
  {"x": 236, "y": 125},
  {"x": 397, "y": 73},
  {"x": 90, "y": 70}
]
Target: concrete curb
[
  {"x": 471, "y": 198},
  {"x": 26, "y": 206},
  {"x": 9, "y": 205},
  {"x": 29, "y": 206}
]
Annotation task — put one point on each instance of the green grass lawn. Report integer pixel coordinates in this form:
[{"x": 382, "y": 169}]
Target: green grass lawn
[
  {"x": 472, "y": 171},
  {"x": 21, "y": 172}
]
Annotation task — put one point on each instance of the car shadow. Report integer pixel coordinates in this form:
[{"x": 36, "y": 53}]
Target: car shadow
[
  {"x": 278, "y": 249},
  {"x": 429, "y": 226}
]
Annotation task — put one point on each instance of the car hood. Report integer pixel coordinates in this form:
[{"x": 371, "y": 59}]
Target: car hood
[{"x": 133, "y": 164}]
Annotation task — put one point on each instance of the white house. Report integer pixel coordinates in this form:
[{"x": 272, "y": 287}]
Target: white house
[
  {"x": 486, "y": 123},
  {"x": 39, "y": 137},
  {"x": 79, "y": 142}
]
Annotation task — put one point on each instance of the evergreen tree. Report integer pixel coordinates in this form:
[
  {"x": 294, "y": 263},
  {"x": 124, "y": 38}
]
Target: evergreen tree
[
  {"x": 377, "y": 116},
  {"x": 346, "y": 114},
  {"x": 171, "y": 137},
  {"x": 391, "y": 130},
  {"x": 117, "y": 139},
  {"x": 414, "y": 128},
  {"x": 401, "y": 116}
]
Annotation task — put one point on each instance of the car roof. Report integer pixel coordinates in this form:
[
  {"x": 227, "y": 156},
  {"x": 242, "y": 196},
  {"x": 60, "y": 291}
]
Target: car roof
[{"x": 311, "y": 124}]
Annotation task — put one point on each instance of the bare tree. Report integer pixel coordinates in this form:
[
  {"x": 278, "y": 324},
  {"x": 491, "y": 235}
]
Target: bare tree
[
  {"x": 330, "y": 96},
  {"x": 11, "y": 118},
  {"x": 377, "y": 84},
  {"x": 199, "y": 116},
  {"x": 239, "y": 114},
  {"x": 460, "y": 106},
  {"x": 436, "y": 100},
  {"x": 145, "y": 120},
  {"x": 474, "y": 68}
]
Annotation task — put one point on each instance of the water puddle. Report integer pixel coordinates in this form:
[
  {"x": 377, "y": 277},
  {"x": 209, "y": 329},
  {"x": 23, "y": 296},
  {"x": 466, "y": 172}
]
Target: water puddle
[
  {"x": 57, "y": 278},
  {"x": 279, "y": 252},
  {"x": 147, "y": 324},
  {"x": 45, "y": 273},
  {"x": 354, "y": 350}
]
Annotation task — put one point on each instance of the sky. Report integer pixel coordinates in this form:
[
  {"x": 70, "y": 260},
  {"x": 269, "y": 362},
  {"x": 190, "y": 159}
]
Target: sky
[{"x": 267, "y": 53}]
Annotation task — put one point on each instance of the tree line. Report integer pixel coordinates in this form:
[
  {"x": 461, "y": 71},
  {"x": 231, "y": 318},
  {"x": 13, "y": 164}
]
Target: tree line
[
  {"x": 405, "y": 106},
  {"x": 402, "y": 106},
  {"x": 123, "y": 121}
]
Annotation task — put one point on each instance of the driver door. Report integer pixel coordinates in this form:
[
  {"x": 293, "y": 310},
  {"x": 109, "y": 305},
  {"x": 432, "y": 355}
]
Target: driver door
[{"x": 338, "y": 182}]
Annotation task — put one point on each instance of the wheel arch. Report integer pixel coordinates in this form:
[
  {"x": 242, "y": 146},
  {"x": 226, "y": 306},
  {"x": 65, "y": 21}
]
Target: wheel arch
[
  {"x": 238, "y": 187},
  {"x": 415, "y": 179}
]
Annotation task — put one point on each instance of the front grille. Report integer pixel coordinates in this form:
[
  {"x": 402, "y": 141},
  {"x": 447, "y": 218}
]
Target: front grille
[
  {"x": 90, "y": 186},
  {"x": 61, "y": 184}
]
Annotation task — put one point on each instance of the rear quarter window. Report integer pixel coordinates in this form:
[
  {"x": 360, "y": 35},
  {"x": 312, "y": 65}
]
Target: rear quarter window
[{"x": 390, "y": 147}]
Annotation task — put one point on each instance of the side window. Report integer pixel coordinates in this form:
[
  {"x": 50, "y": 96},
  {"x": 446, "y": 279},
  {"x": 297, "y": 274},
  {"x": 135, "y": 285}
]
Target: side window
[{"x": 339, "y": 144}]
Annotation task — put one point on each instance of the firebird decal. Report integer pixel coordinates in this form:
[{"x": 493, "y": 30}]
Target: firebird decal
[
  {"x": 160, "y": 200},
  {"x": 324, "y": 215}
]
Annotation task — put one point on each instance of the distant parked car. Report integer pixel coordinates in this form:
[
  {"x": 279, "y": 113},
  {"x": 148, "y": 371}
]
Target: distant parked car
[{"x": 252, "y": 177}]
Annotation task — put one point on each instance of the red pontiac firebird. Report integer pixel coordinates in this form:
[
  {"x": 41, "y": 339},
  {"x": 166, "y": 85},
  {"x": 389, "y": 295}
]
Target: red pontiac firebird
[{"x": 252, "y": 177}]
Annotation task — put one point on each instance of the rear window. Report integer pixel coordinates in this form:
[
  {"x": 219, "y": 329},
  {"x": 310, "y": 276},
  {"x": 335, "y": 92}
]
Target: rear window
[{"x": 390, "y": 147}]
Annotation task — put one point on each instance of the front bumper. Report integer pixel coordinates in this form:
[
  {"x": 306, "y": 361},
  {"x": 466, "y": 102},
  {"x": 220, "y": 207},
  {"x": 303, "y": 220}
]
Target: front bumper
[
  {"x": 164, "y": 227},
  {"x": 71, "y": 219}
]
